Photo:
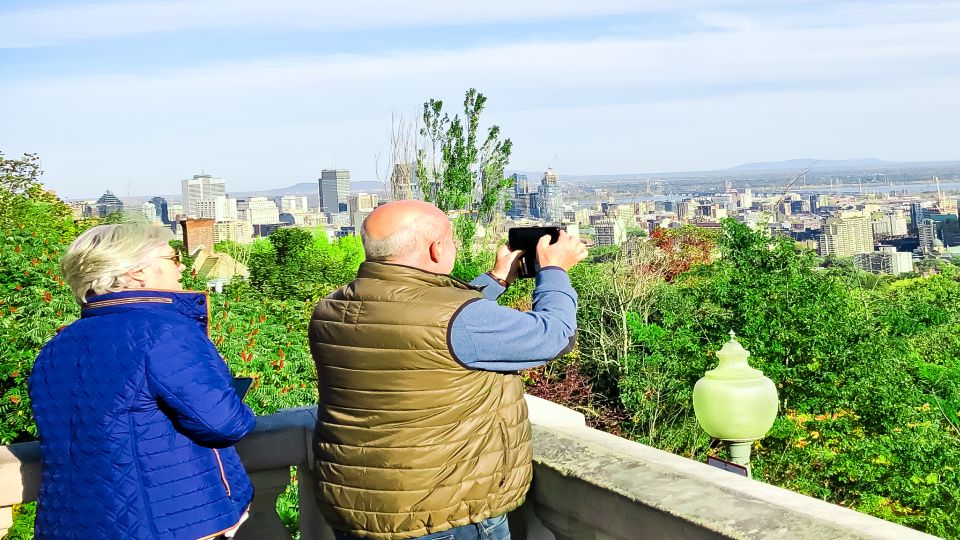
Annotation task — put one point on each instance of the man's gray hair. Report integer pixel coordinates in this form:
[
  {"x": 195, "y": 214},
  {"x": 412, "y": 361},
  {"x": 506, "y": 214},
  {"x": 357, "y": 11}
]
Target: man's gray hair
[
  {"x": 97, "y": 261},
  {"x": 403, "y": 242}
]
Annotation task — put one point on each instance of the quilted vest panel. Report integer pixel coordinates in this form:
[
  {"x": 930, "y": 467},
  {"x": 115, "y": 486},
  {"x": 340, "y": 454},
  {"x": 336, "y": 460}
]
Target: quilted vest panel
[{"x": 408, "y": 441}]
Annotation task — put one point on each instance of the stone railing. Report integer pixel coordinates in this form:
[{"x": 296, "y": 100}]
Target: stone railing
[{"x": 588, "y": 485}]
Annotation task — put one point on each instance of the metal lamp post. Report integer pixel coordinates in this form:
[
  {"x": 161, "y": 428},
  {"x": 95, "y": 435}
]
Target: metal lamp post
[{"x": 735, "y": 402}]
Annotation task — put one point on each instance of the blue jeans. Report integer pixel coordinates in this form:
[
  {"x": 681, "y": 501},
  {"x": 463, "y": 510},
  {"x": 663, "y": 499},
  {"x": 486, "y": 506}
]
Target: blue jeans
[{"x": 494, "y": 528}]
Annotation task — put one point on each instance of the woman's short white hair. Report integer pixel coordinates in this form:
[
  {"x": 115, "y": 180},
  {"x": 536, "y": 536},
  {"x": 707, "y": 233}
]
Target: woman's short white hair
[
  {"x": 406, "y": 241},
  {"x": 96, "y": 262}
]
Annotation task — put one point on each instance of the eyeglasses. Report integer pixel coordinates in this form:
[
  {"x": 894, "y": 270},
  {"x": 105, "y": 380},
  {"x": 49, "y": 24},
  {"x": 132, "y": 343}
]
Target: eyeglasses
[{"x": 175, "y": 258}]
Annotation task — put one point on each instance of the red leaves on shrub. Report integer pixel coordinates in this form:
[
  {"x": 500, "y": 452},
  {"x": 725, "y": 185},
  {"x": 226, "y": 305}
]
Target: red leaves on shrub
[{"x": 574, "y": 390}]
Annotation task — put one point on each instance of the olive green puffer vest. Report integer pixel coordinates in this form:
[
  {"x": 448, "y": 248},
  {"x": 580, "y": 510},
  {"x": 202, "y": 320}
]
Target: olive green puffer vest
[{"x": 408, "y": 441}]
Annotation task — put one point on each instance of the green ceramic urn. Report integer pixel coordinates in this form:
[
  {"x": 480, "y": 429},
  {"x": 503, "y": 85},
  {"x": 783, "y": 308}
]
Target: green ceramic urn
[{"x": 735, "y": 402}]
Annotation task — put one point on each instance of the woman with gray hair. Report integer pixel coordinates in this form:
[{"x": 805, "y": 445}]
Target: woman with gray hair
[{"x": 134, "y": 406}]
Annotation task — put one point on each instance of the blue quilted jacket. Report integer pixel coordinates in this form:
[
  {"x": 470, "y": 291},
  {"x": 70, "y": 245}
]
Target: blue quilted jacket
[{"x": 136, "y": 418}]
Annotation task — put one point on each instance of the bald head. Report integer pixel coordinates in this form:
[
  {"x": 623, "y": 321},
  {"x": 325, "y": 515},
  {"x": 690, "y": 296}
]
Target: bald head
[
  {"x": 397, "y": 216},
  {"x": 407, "y": 232}
]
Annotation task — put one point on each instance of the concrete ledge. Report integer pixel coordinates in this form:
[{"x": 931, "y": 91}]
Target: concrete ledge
[
  {"x": 598, "y": 480},
  {"x": 279, "y": 440},
  {"x": 547, "y": 413},
  {"x": 587, "y": 485},
  {"x": 19, "y": 473}
]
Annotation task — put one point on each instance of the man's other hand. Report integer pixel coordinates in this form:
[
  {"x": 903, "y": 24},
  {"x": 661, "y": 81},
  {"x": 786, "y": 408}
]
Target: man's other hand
[
  {"x": 507, "y": 265},
  {"x": 566, "y": 253}
]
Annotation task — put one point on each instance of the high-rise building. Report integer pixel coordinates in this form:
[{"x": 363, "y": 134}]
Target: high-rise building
[
  {"x": 149, "y": 211},
  {"x": 238, "y": 231},
  {"x": 292, "y": 203},
  {"x": 550, "y": 200},
  {"x": 108, "y": 203},
  {"x": 219, "y": 208},
  {"x": 890, "y": 224},
  {"x": 201, "y": 187},
  {"x": 334, "y": 190},
  {"x": 846, "y": 235},
  {"x": 918, "y": 213},
  {"x": 886, "y": 260},
  {"x": 520, "y": 184},
  {"x": 610, "y": 232},
  {"x": 258, "y": 211},
  {"x": 746, "y": 199},
  {"x": 944, "y": 228},
  {"x": 362, "y": 202},
  {"x": 160, "y": 204}
]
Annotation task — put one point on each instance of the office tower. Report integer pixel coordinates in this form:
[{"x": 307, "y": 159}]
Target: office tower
[
  {"x": 886, "y": 260},
  {"x": 174, "y": 212},
  {"x": 199, "y": 188},
  {"x": 149, "y": 212},
  {"x": 944, "y": 228},
  {"x": 746, "y": 199},
  {"x": 520, "y": 184},
  {"x": 610, "y": 232},
  {"x": 238, "y": 231},
  {"x": 162, "y": 209},
  {"x": 363, "y": 202},
  {"x": 550, "y": 200},
  {"x": 107, "y": 204},
  {"x": 918, "y": 213},
  {"x": 292, "y": 203},
  {"x": 334, "y": 190},
  {"x": 258, "y": 211},
  {"x": 844, "y": 236},
  {"x": 218, "y": 208}
]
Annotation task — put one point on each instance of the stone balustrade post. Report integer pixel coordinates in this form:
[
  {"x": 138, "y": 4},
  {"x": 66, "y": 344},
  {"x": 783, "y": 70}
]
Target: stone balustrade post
[
  {"x": 312, "y": 523},
  {"x": 264, "y": 521}
]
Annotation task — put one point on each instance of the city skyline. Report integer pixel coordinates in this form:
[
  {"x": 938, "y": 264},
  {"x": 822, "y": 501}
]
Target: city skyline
[{"x": 138, "y": 95}]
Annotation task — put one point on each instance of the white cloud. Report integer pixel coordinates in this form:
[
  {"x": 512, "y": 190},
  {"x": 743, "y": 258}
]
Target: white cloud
[
  {"x": 44, "y": 26},
  {"x": 758, "y": 89}
]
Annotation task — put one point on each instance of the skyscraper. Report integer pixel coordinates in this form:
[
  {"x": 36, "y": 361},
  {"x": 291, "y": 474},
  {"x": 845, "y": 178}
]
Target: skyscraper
[
  {"x": 334, "y": 190},
  {"x": 550, "y": 200},
  {"x": 160, "y": 204},
  {"x": 201, "y": 187},
  {"x": 108, "y": 203},
  {"x": 917, "y": 214},
  {"x": 844, "y": 236}
]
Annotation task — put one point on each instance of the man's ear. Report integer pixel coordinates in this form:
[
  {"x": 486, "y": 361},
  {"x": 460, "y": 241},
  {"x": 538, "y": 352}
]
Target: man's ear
[{"x": 436, "y": 251}]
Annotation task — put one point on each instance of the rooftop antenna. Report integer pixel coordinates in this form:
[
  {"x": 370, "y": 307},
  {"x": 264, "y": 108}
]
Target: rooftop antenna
[{"x": 329, "y": 157}]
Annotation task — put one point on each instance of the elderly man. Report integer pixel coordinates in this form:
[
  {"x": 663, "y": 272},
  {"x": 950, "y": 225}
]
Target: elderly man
[{"x": 422, "y": 430}]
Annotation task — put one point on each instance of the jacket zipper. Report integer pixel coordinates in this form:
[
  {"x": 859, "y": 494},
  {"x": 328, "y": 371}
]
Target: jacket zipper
[
  {"x": 223, "y": 474},
  {"x": 506, "y": 449}
]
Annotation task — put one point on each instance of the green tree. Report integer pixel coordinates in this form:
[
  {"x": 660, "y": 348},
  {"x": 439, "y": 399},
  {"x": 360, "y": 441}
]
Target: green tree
[
  {"x": 34, "y": 300},
  {"x": 459, "y": 172}
]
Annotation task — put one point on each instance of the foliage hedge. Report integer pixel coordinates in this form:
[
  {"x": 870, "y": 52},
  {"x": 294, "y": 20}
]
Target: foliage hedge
[{"x": 866, "y": 366}]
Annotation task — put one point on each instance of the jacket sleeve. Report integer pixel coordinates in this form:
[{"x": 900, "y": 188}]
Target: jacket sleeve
[
  {"x": 187, "y": 375},
  {"x": 487, "y": 336}
]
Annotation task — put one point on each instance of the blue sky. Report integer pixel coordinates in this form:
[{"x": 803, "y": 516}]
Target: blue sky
[{"x": 135, "y": 95}]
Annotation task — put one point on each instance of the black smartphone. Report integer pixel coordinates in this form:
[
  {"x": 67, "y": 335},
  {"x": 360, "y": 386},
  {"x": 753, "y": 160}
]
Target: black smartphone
[
  {"x": 241, "y": 385},
  {"x": 526, "y": 238}
]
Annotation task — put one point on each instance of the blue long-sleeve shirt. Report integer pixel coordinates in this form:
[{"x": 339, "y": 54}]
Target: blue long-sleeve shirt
[{"x": 485, "y": 335}]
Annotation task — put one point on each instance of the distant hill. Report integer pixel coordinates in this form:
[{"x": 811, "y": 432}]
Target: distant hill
[
  {"x": 801, "y": 164},
  {"x": 792, "y": 167},
  {"x": 309, "y": 189}
]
